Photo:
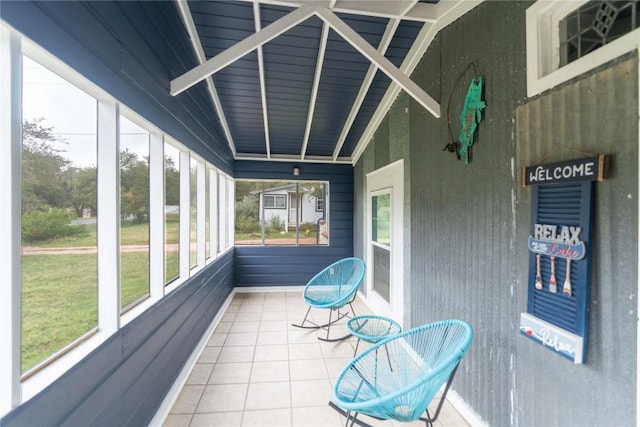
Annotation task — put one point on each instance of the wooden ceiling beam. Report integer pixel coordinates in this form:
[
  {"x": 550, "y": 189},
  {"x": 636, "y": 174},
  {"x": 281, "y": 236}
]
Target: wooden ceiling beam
[
  {"x": 406, "y": 9},
  {"x": 263, "y": 85},
  {"x": 386, "y": 66},
  {"x": 240, "y": 49},
  {"x": 389, "y": 32},
  {"x": 187, "y": 19}
]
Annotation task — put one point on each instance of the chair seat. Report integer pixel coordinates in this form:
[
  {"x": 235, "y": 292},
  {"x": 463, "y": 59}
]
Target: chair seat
[
  {"x": 400, "y": 382},
  {"x": 333, "y": 288},
  {"x": 326, "y": 296}
]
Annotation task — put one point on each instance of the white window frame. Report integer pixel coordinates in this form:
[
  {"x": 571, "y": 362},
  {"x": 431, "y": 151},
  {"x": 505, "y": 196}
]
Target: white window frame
[
  {"x": 543, "y": 47},
  {"x": 222, "y": 223},
  {"x": 231, "y": 212},
  {"x": 275, "y": 198},
  {"x": 156, "y": 221},
  {"x": 16, "y": 388},
  {"x": 213, "y": 211}
]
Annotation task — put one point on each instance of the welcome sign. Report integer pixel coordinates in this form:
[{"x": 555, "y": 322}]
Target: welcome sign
[
  {"x": 589, "y": 169},
  {"x": 559, "y": 254}
]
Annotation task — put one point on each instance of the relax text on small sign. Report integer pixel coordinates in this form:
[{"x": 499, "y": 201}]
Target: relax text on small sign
[{"x": 589, "y": 169}]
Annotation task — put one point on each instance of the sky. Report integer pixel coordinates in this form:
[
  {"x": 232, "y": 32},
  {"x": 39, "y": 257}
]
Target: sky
[{"x": 72, "y": 114}]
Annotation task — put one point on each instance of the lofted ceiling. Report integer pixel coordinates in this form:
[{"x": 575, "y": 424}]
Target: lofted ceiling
[{"x": 309, "y": 80}]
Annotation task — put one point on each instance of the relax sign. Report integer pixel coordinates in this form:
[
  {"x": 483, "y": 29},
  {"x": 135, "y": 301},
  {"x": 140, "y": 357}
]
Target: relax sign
[
  {"x": 557, "y": 241},
  {"x": 590, "y": 169}
]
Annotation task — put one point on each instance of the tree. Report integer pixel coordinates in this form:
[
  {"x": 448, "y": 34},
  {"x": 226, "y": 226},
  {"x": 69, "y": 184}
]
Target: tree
[
  {"x": 134, "y": 186},
  {"x": 171, "y": 182},
  {"x": 44, "y": 169},
  {"x": 83, "y": 190}
]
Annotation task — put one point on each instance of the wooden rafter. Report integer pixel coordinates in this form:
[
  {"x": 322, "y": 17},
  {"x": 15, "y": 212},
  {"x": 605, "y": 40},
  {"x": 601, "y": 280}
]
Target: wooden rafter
[
  {"x": 392, "y": 26},
  {"x": 407, "y": 9},
  {"x": 386, "y": 66},
  {"x": 187, "y": 19},
  {"x": 314, "y": 90},
  {"x": 263, "y": 85},
  {"x": 240, "y": 49}
]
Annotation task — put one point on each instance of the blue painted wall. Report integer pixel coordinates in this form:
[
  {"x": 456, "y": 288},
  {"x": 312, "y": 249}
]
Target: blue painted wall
[
  {"x": 124, "y": 380},
  {"x": 295, "y": 265}
]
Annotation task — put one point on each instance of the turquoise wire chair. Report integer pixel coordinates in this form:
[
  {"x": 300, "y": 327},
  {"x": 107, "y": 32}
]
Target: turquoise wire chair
[
  {"x": 401, "y": 385},
  {"x": 333, "y": 288}
]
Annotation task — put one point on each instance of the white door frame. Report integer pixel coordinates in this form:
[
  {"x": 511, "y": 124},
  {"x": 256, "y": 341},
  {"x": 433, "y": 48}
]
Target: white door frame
[{"x": 388, "y": 179}]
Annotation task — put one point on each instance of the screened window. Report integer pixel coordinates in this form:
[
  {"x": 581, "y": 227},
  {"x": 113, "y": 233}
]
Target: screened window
[
  {"x": 134, "y": 213},
  {"x": 171, "y": 213},
  {"x": 73, "y": 167},
  {"x": 59, "y": 214},
  {"x": 193, "y": 213},
  {"x": 207, "y": 214},
  {"x": 281, "y": 213}
]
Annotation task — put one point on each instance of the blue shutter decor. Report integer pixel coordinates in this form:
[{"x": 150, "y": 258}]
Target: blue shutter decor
[{"x": 560, "y": 254}]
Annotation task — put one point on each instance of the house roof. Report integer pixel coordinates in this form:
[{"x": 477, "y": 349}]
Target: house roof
[
  {"x": 295, "y": 80},
  {"x": 291, "y": 188}
]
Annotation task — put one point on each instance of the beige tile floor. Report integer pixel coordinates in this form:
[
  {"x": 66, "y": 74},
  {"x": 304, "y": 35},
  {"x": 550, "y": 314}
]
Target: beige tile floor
[{"x": 258, "y": 370}]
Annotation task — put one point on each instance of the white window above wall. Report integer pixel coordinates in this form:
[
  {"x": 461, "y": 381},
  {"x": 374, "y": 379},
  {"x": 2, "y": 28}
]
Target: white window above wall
[
  {"x": 275, "y": 201},
  {"x": 568, "y": 38}
]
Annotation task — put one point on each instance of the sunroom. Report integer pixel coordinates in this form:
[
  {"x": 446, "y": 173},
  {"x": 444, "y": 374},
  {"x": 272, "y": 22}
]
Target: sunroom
[{"x": 165, "y": 162}]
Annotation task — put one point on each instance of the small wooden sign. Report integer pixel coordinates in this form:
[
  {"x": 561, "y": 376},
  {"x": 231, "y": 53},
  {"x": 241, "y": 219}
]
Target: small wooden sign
[
  {"x": 566, "y": 344},
  {"x": 589, "y": 169}
]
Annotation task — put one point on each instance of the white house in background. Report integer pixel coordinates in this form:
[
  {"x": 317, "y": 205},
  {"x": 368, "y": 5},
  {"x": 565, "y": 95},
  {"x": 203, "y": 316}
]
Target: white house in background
[{"x": 283, "y": 201}]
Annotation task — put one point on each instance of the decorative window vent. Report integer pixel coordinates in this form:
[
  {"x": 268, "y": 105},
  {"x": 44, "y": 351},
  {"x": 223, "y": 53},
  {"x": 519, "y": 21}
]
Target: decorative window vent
[
  {"x": 566, "y": 39},
  {"x": 594, "y": 25}
]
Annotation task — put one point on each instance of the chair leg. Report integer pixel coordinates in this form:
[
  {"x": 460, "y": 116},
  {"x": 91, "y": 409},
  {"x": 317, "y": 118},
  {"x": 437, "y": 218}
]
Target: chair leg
[
  {"x": 339, "y": 317},
  {"x": 388, "y": 358},
  {"x": 350, "y": 416},
  {"x": 429, "y": 420},
  {"x": 301, "y": 325},
  {"x": 327, "y": 326}
]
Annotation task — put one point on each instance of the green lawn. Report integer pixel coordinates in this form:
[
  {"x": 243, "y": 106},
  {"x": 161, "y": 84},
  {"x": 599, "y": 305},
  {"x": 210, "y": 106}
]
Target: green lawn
[
  {"x": 60, "y": 293},
  {"x": 59, "y": 303},
  {"x": 130, "y": 234}
]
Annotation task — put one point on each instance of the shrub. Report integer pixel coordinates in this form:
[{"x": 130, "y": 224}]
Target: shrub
[
  {"x": 308, "y": 227},
  {"x": 274, "y": 224},
  {"x": 37, "y": 225},
  {"x": 246, "y": 224}
]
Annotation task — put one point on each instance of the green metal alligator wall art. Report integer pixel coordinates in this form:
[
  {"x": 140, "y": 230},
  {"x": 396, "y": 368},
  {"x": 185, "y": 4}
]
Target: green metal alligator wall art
[{"x": 470, "y": 117}]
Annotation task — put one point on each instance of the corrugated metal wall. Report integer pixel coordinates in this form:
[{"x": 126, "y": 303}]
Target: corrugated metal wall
[
  {"x": 468, "y": 224},
  {"x": 596, "y": 114}
]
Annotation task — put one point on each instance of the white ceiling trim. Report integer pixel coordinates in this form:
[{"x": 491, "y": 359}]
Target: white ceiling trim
[
  {"x": 395, "y": 74},
  {"x": 421, "y": 12},
  {"x": 293, "y": 158},
  {"x": 389, "y": 32},
  {"x": 263, "y": 86},
  {"x": 314, "y": 90},
  {"x": 187, "y": 19},
  {"x": 447, "y": 14},
  {"x": 240, "y": 49},
  {"x": 408, "y": 5}
]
